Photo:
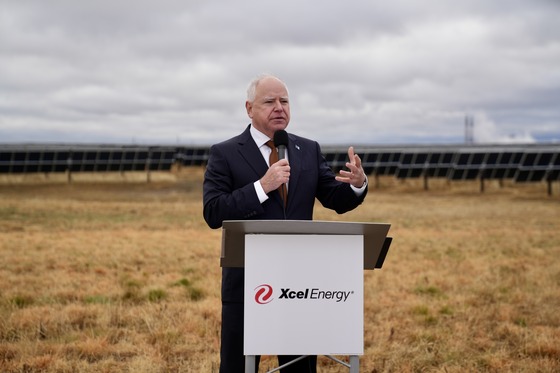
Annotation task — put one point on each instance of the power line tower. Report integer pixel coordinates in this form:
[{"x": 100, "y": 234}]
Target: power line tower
[{"x": 469, "y": 129}]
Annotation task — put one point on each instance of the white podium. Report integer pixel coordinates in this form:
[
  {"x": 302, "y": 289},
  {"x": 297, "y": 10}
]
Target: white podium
[{"x": 304, "y": 284}]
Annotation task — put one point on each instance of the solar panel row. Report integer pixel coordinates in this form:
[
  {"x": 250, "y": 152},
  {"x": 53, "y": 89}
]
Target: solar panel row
[
  {"x": 85, "y": 159},
  {"x": 529, "y": 163},
  {"x": 522, "y": 165}
]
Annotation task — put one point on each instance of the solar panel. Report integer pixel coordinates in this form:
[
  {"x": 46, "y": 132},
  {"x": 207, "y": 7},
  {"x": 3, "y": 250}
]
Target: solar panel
[
  {"x": 5, "y": 159},
  {"x": 102, "y": 161},
  {"x": 467, "y": 166},
  {"x": 412, "y": 165},
  {"x": 141, "y": 161},
  {"x": 127, "y": 160},
  {"x": 535, "y": 166},
  {"x": 61, "y": 161},
  {"x": 368, "y": 162},
  {"x": 545, "y": 159},
  {"x": 387, "y": 163},
  {"x": 524, "y": 175},
  {"x": 439, "y": 164},
  {"x": 335, "y": 159},
  {"x": 115, "y": 161},
  {"x": 161, "y": 160},
  {"x": 499, "y": 166},
  {"x": 528, "y": 159},
  {"x": 170, "y": 157}
]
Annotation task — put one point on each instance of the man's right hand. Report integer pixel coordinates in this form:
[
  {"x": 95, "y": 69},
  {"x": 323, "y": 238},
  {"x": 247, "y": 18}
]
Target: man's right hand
[{"x": 277, "y": 174}]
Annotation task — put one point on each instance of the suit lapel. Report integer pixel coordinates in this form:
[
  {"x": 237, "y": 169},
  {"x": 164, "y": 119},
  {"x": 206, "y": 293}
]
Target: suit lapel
[{"x": 251, "y": 153}]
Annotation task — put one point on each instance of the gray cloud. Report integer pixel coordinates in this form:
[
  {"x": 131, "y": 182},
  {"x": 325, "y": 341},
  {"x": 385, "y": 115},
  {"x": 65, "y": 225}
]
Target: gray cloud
[{"x": 358, "y": 72}]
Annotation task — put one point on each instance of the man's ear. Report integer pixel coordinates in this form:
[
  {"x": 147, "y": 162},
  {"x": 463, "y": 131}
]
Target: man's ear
[{"x": 249, "y": 108}]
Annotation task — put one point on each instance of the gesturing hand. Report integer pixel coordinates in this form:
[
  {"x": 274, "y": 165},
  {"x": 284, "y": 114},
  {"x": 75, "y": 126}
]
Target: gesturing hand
[{"x": 356, "y": 175}]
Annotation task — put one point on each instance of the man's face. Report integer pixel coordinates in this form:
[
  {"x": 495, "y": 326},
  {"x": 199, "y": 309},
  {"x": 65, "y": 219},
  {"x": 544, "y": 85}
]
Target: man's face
[{"x": 270, "y": 111}]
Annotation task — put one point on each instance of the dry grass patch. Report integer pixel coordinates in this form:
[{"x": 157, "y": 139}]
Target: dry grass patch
[{"x": 123, "y": 276}]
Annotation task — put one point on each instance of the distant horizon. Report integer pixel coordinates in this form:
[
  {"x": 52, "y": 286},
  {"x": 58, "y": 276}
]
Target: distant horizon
[
  {"x": 38, "y": 137},
  {"x": 324, "y": 145}
]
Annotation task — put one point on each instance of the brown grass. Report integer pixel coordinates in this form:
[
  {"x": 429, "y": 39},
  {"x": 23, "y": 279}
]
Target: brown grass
[{"x": 119, "y": 275}]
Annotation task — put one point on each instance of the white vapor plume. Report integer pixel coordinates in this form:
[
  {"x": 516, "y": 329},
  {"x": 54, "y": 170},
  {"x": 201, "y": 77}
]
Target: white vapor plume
[{"x": 487, "y": 132}]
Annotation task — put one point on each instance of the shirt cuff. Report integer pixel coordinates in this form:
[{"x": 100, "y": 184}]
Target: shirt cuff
[
  {"x": 260, "y": 191},
  {"x": 359, "y": 191}
]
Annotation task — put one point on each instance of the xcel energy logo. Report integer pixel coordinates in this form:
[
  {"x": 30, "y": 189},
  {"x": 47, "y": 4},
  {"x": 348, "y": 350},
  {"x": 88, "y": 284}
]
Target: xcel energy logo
[{"x": 263, "y": 294}]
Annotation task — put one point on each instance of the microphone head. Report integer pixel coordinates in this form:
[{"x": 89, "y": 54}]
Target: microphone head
[{"x": 280, "y": 138}]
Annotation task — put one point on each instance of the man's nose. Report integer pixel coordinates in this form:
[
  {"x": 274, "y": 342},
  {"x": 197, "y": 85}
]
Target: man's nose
[{"x": 278, "y": 106}]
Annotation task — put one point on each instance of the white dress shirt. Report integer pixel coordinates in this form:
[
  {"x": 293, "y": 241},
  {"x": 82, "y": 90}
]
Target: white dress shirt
[{"x": 261, "y": 139}]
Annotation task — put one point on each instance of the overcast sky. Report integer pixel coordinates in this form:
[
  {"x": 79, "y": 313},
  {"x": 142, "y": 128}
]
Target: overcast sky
[{"x": 358, "y": 72}]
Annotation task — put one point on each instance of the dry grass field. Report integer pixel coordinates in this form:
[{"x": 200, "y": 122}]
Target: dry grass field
[{"x": 113, "y": 274}]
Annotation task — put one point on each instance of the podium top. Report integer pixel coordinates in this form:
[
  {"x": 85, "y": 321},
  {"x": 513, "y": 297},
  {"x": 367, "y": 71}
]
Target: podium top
[{"x": 234, "y": 231}]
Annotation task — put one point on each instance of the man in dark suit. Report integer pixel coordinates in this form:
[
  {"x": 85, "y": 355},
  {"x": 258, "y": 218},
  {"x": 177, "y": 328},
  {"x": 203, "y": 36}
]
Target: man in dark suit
[{"x": 239, "y": 184}]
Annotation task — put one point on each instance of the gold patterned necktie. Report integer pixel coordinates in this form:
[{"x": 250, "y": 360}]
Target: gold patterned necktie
[{"x": 273, "y": 159}]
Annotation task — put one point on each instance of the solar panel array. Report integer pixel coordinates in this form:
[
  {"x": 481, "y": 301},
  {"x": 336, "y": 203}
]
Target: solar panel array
[
  {"x": 521, "y": 163},
  {"x": 76, "y": 158}
]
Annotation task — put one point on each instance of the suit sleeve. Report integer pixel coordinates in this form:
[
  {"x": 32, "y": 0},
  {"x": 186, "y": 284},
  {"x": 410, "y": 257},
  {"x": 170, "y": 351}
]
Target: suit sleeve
[{"x": 226, "y": 196}]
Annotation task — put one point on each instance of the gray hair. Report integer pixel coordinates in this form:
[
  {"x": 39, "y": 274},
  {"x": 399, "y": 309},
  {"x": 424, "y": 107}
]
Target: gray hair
[{"x": 251, "y": 90}]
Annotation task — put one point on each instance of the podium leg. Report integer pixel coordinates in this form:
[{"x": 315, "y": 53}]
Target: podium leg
[
  {"x": 354, "y": 364},
  {"x": 250, "y": 362}
]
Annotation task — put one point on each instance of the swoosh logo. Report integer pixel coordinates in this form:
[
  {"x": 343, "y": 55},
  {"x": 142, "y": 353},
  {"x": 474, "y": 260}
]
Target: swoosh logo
[{"x": 263, "y": 294}]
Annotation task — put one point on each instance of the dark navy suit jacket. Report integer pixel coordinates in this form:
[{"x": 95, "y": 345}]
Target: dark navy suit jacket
[{"x": 229, "y": 194}]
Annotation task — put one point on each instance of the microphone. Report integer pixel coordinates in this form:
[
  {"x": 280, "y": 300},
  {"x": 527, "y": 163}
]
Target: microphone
[{"x": 281, "y": 142}]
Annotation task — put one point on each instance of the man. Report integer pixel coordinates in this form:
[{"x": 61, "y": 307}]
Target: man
[{"x": 239, "y": 184}]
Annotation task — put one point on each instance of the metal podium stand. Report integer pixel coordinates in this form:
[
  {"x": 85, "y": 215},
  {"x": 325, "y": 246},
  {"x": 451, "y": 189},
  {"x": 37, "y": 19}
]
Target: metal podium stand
[{"x": 335, "y": 252}]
